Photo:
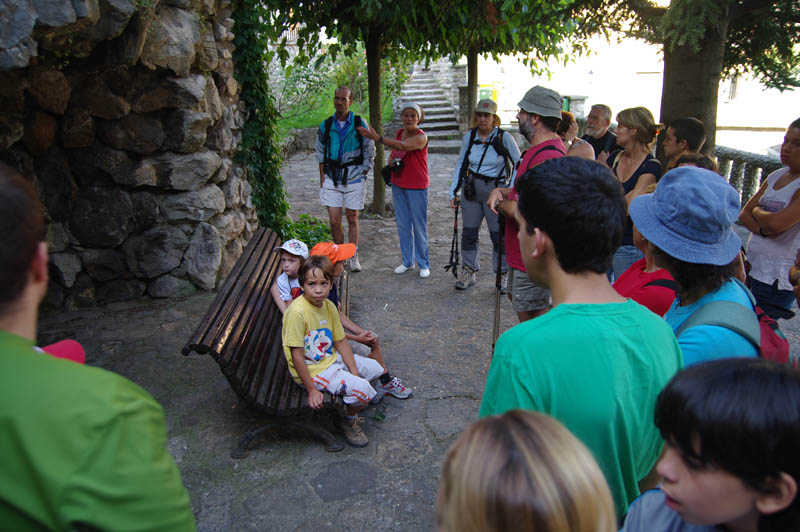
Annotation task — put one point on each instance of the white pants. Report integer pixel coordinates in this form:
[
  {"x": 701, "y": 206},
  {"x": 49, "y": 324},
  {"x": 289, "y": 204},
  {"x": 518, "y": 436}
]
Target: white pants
[{"x": 337, "y": 380}]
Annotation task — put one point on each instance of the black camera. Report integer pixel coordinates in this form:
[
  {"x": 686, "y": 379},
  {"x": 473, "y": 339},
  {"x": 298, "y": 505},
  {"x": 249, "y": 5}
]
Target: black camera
[
  {"x": 393, "y": 166},
  {"x": 469, "y": 187}
]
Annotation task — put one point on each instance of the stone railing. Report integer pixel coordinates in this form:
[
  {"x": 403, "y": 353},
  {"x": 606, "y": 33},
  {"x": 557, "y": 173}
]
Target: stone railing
[{"x": 744, "y": 170}]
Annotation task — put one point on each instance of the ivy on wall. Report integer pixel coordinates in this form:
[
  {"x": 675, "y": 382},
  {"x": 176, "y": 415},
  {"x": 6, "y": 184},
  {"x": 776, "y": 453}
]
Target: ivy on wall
[{"x": 258, "y": 151}]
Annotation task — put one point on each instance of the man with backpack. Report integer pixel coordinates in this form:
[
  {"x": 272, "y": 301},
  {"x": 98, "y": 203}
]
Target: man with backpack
[
  {"x": 345, "y": 160},
  {"x": 688, "y": 220},
  {"x": 539, "y": 116}
]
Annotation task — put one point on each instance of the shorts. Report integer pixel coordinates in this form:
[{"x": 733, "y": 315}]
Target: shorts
[
  {"x": 337, "y": 380},
  {"x": 350, "y": 196},
  {"x": 527, "y": 296}
]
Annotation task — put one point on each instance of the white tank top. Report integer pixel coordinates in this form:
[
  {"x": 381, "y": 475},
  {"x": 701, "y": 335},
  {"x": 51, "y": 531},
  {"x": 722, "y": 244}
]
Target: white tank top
[{"x": 772, "y": 257}]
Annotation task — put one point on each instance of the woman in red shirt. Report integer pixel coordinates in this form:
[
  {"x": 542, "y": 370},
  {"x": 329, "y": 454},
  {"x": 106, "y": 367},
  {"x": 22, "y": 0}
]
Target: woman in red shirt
[{"x": 409, "y": 187}]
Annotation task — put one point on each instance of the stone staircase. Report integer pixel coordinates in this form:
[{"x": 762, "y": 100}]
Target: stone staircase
[{"x": 440, "y": 119}]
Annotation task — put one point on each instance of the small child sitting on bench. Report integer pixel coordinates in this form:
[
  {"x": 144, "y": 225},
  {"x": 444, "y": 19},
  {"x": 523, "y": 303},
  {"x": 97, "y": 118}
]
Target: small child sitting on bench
[
  {"x": 286, "y": 287},
  {"x": 318, "y": 353},
  {"x": 731, "y": 461}
]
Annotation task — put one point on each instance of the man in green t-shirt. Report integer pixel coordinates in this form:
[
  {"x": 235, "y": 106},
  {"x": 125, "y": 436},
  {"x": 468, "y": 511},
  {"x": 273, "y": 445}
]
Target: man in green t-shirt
[
  {"x": 82, "y": 448},
  {"x": 596, "y": 361}
]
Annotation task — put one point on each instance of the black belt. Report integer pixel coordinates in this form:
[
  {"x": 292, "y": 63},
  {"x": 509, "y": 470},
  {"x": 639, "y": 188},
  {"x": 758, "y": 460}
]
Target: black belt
[{"x": 484, "y": 177}]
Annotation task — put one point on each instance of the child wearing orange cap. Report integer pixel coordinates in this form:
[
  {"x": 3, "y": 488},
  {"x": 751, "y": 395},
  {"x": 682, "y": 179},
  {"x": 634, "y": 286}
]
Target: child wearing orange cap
[{"x": 358, "y": 336}]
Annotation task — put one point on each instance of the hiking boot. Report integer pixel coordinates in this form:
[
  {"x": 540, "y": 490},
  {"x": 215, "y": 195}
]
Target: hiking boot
[
  {"x": 466, "y": 279},
  {"x": 353, "y": 434},
  {"x": 504, "y": 283},
  {"x": 395, "y": 388},
  {"x": 355, "y": 266}
]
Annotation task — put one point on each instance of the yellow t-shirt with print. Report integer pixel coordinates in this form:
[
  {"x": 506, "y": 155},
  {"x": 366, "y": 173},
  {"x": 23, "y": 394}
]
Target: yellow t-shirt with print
[{"x": 314, "y": 329}]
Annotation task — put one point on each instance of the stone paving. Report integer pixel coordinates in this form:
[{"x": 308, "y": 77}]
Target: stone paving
[{"x": 436, "y": 338}]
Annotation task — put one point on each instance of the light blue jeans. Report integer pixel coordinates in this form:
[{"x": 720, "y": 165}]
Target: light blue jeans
[
  {"x": 411, "y": 214},
  {"x": 623, "y": 258}
]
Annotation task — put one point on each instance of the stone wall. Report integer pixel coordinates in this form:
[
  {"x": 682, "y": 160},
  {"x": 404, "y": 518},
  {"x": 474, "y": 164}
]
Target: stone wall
[{"x": 125, "y": 115}]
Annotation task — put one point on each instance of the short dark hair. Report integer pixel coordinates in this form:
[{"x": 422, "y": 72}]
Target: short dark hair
[
  {"x": 549, "y": 122},
  {"x": 745, "y": 415},
  {"x": 692, "y": 278},
  {"x": 316, "y": 262},
  {"x": 691, "y": 130},
  {"x": 796, "y": 124},
  {"x": 700, "y": 160},
  {"x": 21, "y": 230},
  {"x": 580, "y": 205}
]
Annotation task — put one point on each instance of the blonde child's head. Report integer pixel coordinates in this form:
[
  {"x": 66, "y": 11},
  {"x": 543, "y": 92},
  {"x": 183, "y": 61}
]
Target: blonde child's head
[{"x": 522, "y": 471}]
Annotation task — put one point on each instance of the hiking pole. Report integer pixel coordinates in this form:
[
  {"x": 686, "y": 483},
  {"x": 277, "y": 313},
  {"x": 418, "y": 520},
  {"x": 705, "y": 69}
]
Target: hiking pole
[
  {"x": 454, "y": 245},
  {"x": 498, "y": 279}
]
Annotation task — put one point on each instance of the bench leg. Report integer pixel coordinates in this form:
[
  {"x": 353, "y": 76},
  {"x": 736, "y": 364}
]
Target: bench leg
[
  {"x": 241, "y": 450},
  {"x": 331, "y": 442}
]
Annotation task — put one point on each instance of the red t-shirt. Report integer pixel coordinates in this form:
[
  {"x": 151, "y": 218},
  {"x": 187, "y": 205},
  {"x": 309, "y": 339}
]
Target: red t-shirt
[
  {"x": 632, "y": 284},
  {"x": 414, "y": 173},
  {"x": 533, "y": 156}
]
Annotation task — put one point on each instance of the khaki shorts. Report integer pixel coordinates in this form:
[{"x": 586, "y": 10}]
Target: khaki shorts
[
  {"x": 525, "y": 295},
  {"x": 350, "y": 196}
]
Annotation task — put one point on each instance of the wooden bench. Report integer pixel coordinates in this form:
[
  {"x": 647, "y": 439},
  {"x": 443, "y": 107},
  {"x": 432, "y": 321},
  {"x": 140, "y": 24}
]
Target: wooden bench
[{"x": 242, "y": 331}]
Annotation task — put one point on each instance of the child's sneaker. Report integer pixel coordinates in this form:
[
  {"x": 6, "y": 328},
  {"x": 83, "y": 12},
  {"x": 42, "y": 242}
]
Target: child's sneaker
[
  {"x": 395, "y": 388},
  {"x": 353, "y": 433},
  {"x": 355, "y": 266}
]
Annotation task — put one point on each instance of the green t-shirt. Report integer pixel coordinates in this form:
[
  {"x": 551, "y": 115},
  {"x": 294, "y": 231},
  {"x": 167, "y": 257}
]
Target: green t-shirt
[
  {"x": 82, "y": 446},
  {"x": 597, "y": 369}
]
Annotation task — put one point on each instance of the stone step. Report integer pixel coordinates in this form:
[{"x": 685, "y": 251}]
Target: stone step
[
  {"x": 434, "y": 105},
  {"x": 447, "y": 134},
  {"x": 444, "y": 146},
  {"x": 433, "y": 89},
  {"x": 439, "y": 112},
  {"x": 439, "y": 124},
  {"x": 421, "y": 85}
]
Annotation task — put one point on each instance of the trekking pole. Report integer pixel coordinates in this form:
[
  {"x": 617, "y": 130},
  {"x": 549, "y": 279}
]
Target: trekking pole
[
  {"x": 498, "y": 280},
  {"x": 454, "y": 245}
]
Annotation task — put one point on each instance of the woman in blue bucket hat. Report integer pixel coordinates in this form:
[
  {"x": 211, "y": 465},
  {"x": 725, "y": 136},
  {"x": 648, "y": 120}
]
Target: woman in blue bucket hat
[{"x": 688, "y": 221}]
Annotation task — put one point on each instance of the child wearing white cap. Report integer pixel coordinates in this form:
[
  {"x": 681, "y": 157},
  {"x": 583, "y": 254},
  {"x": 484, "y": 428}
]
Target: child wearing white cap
[{"x": 287, "y": 286}]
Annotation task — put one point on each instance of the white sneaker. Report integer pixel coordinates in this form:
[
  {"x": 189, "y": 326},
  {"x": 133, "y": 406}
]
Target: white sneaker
[
  {"x": 424, "y": 272},
  {"x": 401, "y": 269},
  {"x": 355, "y": 266}
]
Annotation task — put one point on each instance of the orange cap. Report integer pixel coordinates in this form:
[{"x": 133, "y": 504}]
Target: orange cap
[{"x": 335, "y": 252}]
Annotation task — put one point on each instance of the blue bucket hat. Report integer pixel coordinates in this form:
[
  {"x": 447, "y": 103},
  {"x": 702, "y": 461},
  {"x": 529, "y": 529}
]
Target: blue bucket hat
[{"x": 690, "y": 215}]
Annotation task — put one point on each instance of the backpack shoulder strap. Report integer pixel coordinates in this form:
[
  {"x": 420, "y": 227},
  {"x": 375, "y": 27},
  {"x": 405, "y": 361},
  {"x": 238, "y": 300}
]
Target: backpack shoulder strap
[
  {"x": 357, "y": 121},
  {"x": 732, "y": 316},
  {"x": 664, "y": 283},
  {"x": 326, "y": 130},
  {"x": 549, "y": 147}
]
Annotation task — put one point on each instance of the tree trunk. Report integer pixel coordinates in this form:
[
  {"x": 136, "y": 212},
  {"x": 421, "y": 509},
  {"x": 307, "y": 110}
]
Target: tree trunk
[
  {"x": 472, "y": 82},
  {"x": 374, "y": 49},
  {"x": 691, "y": 82}
]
